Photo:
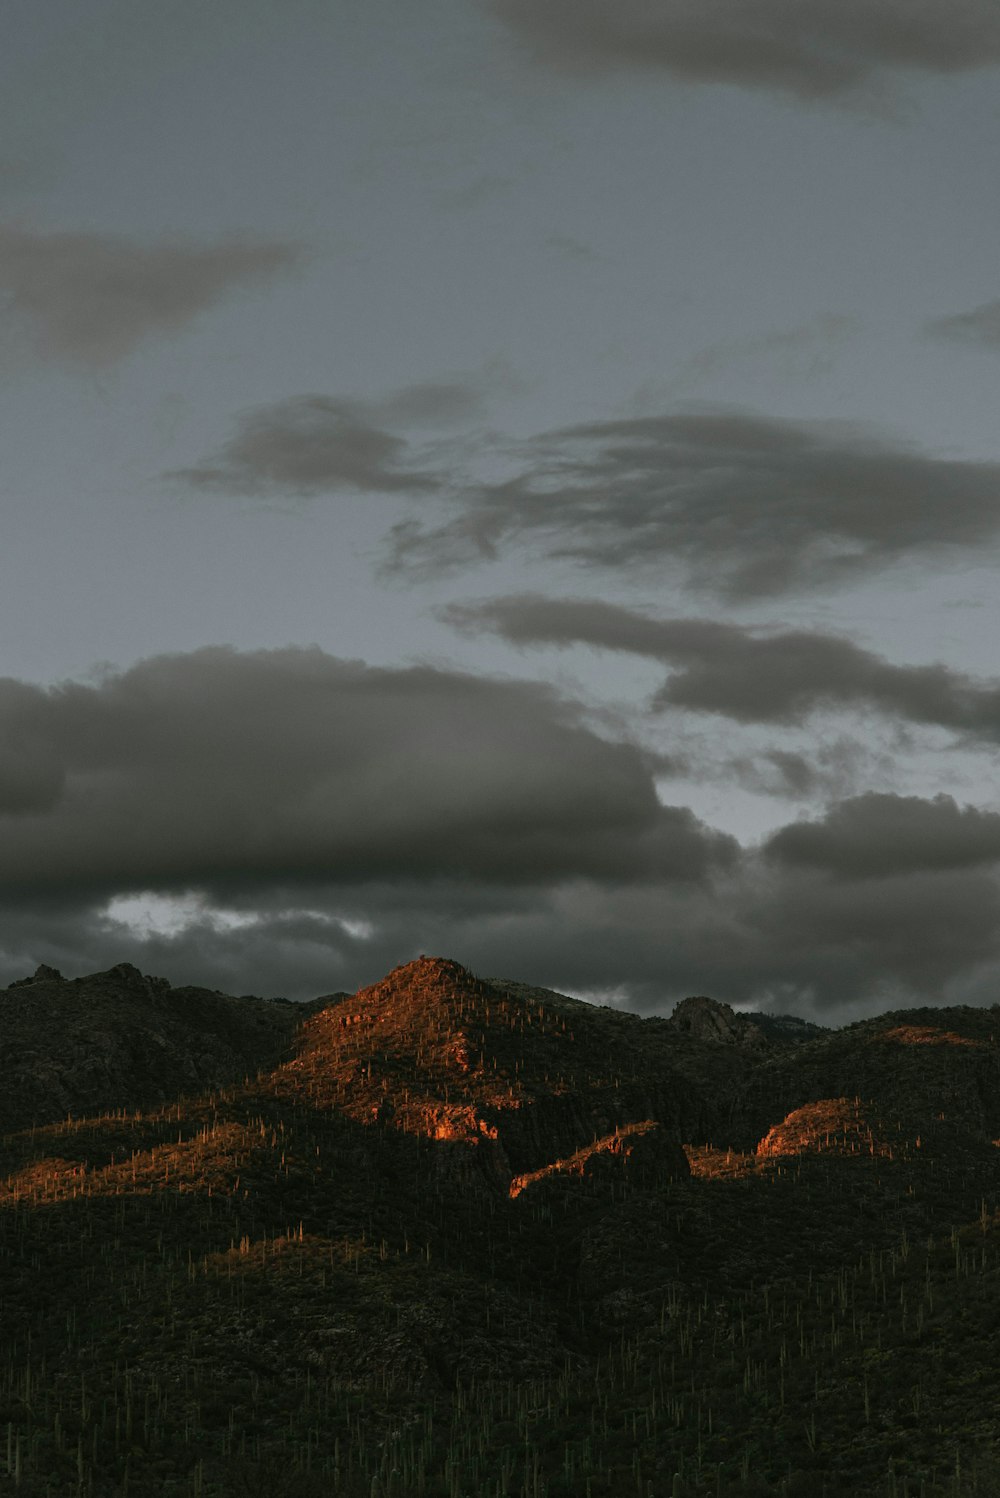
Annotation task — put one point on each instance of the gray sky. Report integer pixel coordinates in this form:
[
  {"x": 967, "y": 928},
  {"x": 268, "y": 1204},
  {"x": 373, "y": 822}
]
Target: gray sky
[{"x": 511, "y": 480}]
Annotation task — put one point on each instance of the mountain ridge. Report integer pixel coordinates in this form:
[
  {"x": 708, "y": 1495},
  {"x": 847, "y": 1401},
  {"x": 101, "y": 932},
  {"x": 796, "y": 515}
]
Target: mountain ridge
[{"x": 365, "y": 1240}]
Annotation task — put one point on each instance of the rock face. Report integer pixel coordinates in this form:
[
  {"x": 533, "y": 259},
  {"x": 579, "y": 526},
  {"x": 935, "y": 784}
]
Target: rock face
[
  {"x": 713, "y": 1022},
  {"x": 708, "y": 1020},
  {"x": 846, "y": 1126}
]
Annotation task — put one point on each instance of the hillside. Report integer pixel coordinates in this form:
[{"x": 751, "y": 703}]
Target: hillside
[{"x": 461, "y": 1236}]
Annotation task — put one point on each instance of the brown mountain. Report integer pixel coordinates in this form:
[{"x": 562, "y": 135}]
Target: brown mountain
[{"x": 457, "y": 1236}]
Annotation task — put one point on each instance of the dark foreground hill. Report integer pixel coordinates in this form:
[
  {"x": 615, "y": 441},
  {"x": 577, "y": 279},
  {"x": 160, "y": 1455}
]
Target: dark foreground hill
[{"x": 463, "y": 1237}]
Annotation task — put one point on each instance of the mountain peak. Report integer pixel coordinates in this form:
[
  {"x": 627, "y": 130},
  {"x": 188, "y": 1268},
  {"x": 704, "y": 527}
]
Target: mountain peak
[
  {"x": 439, "y": 977},
  {"x": 42, "y": 974}
]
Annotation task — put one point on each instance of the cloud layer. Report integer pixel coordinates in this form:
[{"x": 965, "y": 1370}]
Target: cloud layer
[
  {"x": 739, "y": 505},
  {"x": 751, "y": 675},
  {"x": 224, "y": 771},
  {"x": 794, "y": 936},
  {"x": 813, "y": 49},
  {"x": 307, "y": 822},
  {"x": 91, "y": 299},
  {"x": 874, "y": 835}
]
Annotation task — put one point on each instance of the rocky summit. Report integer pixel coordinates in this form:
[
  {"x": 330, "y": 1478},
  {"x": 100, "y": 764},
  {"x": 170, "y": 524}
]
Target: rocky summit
[{"x": 457, "y": 1235}]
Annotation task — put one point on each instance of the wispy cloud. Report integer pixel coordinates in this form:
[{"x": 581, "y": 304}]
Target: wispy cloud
[
  {"x": 317, "y": 444},
  {"x": 980, "y": 325},
  {"x": 798, "y": 353},
  {"x": 736, "y": 504},
  {"x": 91, "y": 299},
  {"x": 310, "y": 444},
  {"x": 812, "y": 49}
]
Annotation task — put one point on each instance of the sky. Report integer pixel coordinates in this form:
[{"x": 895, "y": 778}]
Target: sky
[{"x": 516, "y": 480}]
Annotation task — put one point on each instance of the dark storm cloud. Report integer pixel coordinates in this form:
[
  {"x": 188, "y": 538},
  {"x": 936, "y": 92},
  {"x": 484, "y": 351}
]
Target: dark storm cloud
[
  {"x": 324, "y": 820},
  {"x": 815, "y": 939},
  {"x": 32, "y": 772},
  {"x": 795, "y": 938},
  {"x": 876, "y": 834},
  {"x": 740, "y": 505},
  {"x": 298, "y": 953},
  {"x": 814, "y": 49},
  {"x": 93, "y": 298},
  {"x": 980, "y": 326},
  {"x": 918, "y": 936},
  {"x": 227, "y": 771},
  {"x": 743, "y": 673},
  {"x": 787, "y": 937}
]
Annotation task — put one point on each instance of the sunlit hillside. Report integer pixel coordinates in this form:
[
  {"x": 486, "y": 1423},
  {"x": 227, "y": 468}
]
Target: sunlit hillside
[{"x": 462, "y": 1238}]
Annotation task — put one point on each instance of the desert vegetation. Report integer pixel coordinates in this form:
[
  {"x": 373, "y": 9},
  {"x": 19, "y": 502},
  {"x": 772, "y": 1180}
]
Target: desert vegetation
[{"x": 454, "y": 1245}]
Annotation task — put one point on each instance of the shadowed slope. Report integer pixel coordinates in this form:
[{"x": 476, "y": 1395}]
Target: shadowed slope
[
  {"x": 122, "y": 1040},
  {"x": 916, "y": 1065},
  {"x": 446, "y": 1241}
]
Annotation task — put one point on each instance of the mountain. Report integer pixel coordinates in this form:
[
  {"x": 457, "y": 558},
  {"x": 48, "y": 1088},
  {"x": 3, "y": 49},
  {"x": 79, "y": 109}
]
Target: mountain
[
  {"x": 122, "y": 1040},
  {"x": 462, "y": 1236}
]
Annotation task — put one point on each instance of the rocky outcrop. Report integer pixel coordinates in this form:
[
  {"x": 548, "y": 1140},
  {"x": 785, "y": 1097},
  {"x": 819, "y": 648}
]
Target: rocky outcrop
[
  {"x": 846, "y": 1126},
  {"x": 642, "y": 1154},
  {"x": 709, "y": 1020}
]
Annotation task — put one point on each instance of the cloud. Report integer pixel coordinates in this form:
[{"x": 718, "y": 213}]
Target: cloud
[
  {"x": 979, "y": 326},
  {"x": 812, "y": 49},
  {"x": 830, "y": 769},
  {"x": 797, "y": 353},
  {"x": 739, "y": 505},
  {"x": 288, "y": 822},
  {"x": 317, "y": 444},
  {"x": 912, "y": 937},
  {"x": 223, "y": 771},
  {"x": 875, "y": 835},
  {"x": 749, "y": 674},
  {"x": 32, "y": 771},
  {"x": 435, "y": 401},
  {"x": 792, "y": 937},
  {"x": 310, "y": 444},
  {"x": 91, "y": 299}
]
